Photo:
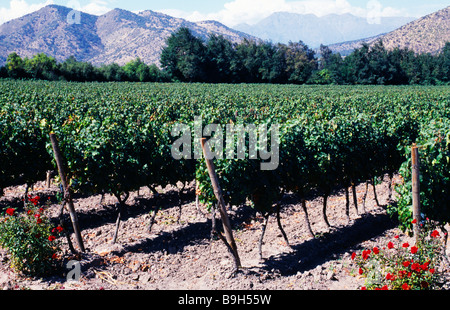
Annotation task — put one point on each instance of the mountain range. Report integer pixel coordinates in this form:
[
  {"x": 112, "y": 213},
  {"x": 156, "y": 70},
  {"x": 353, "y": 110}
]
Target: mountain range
[
  {"x": 424, "y": 35},
  {"x": 284, "y": 27},
  {"x": 120, "y": 36},
  {"x": 117, "y": 36}
]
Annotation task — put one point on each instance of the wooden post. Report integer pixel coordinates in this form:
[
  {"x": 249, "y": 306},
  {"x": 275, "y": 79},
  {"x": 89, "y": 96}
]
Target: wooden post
[
  {"x": 222, "y": 210},
  {"x": 416, "y": 189},
  {"x": 49, "y": 178},
  {"x": 67, "y": 195}
]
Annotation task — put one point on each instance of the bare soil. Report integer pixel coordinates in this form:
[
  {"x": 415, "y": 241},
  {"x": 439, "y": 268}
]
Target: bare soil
[{"x": 179, "y": 253}]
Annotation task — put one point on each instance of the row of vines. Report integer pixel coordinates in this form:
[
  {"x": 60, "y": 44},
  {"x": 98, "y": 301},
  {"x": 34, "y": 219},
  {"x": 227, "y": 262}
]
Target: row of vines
[{"x": 116, "y": 138}]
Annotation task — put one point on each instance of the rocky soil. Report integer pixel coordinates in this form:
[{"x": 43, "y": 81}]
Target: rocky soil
[{"x": 179, "y": 253}]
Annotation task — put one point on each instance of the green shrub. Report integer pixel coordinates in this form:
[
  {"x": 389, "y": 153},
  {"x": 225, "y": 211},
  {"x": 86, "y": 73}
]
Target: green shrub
[
  {"x": 398, "y": 265},
  {"x": 30, "y": 239}
]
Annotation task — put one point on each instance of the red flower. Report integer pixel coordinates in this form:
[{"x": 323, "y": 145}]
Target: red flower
[
  {"x": 39, "y": 221},
  {"x": 406, "y": 263},
  {"x": 405, "y": 245},
  {"x": 390, "y": 245},
  {"x": 362, "y": 271},
  {"x": 376, "y": 250},
  {"x": 51, "y": 238},
  {"x": 406, "y": 287},
  {"x": 10, "y": 211},
  {"x": 415, "y": 267},
  {"x": 353, "y": 255},
  {"x": 363, "y": 288},
  {"x": 432, "y": 270},
  {"x": 34, "y": 200},
  {"x": 435, "y": 234},
  {"x": 414, "y": 221},
  {"x": 390, "y": 277},
  {"x": 366, "y": 254},
  {"x": 57, "y": 229},
  {"x": 396, "y": 237},
  {"x": 414, "y": 250}
]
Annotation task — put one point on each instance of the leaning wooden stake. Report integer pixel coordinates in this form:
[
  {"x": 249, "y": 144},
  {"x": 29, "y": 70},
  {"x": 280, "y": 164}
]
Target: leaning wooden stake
[
  {"x": 221, "y": 205},
  {"x": 416, "y": 189},
  {"x": 67, "y": 194}
]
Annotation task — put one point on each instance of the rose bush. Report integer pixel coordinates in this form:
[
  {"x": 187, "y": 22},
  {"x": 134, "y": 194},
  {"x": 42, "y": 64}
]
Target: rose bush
[
  {"x": 30, "y": 239},
  {"x": 400, "y": 266}
]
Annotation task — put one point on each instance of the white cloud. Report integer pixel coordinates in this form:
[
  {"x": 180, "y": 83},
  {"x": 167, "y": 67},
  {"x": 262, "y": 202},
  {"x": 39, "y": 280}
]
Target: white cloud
[
  {"x": 18, "y": 8},
  {"x": 96, "y": 7},
  {"x": 252, "y": 11}
]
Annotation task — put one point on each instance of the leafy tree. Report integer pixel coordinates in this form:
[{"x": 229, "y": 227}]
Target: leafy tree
[
  {"x": 15, "y": 66},
  {"x": 442, "y": 67},
  {"x": 41, "y": 66},
  {"x": 325, "y": 56},
  {"x": 300, "y": 62},
  {"x": 184, "y": 57},
  {"x": 3, "y": 72},
  {"x": 156, "y": 75},
  {"x": 112, "y": 72},
  {"x": 73, "y": 70},
  {"x": 221, "y": 55},
  {"x": 398, "y": 59},
  {"x": 275, "y": 66},
  {"x": 379, "y": 66},
  {"x": 322, "y": 77},
  {"x": 136, "y": 71},
  {"x": 249, "y": 63},
  {"x": 335, "y": 66}
]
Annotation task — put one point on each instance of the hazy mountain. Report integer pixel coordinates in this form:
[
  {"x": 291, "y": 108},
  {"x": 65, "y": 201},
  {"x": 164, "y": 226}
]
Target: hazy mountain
[
  {"x": 284, "y": 27},
  {"x": 117, "y": 36},
  {"x": 346, "y": 48},
  {"x": 425, "y": 35}
]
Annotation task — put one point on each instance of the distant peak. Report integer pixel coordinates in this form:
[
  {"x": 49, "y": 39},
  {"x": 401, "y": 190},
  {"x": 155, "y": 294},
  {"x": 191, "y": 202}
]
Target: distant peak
[
  {"x": 118, "y": 11},
  {"x": 57, "y": 7},
  {"x": 121, "y": 13}
]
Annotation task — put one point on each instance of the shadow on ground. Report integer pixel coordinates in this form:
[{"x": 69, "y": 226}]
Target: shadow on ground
[{"x": 314, "y": 252}]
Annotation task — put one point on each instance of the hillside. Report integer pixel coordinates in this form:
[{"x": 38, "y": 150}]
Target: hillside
[
  {"x": 346, "y": 48},
  {"x": 117, "y": 36},
  {"x": 425, "y": 35},
  {"x": 284, "y": 27}
]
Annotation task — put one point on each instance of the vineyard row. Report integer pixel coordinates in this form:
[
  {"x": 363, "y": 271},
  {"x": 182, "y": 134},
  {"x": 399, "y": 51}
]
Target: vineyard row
[{"x": 116, "y": 138}]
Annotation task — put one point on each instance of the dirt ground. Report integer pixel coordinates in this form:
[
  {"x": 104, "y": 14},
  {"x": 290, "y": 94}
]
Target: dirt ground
[{"x": 179, "y": 254}]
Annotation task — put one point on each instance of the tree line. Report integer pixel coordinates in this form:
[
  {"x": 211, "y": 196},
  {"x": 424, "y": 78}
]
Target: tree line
[
  {"x": 44, "y": 67},
  {"x": 187, "y": 58}
]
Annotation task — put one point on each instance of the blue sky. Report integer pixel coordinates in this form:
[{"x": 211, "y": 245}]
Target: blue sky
[{"x": 232, "y": 12}]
